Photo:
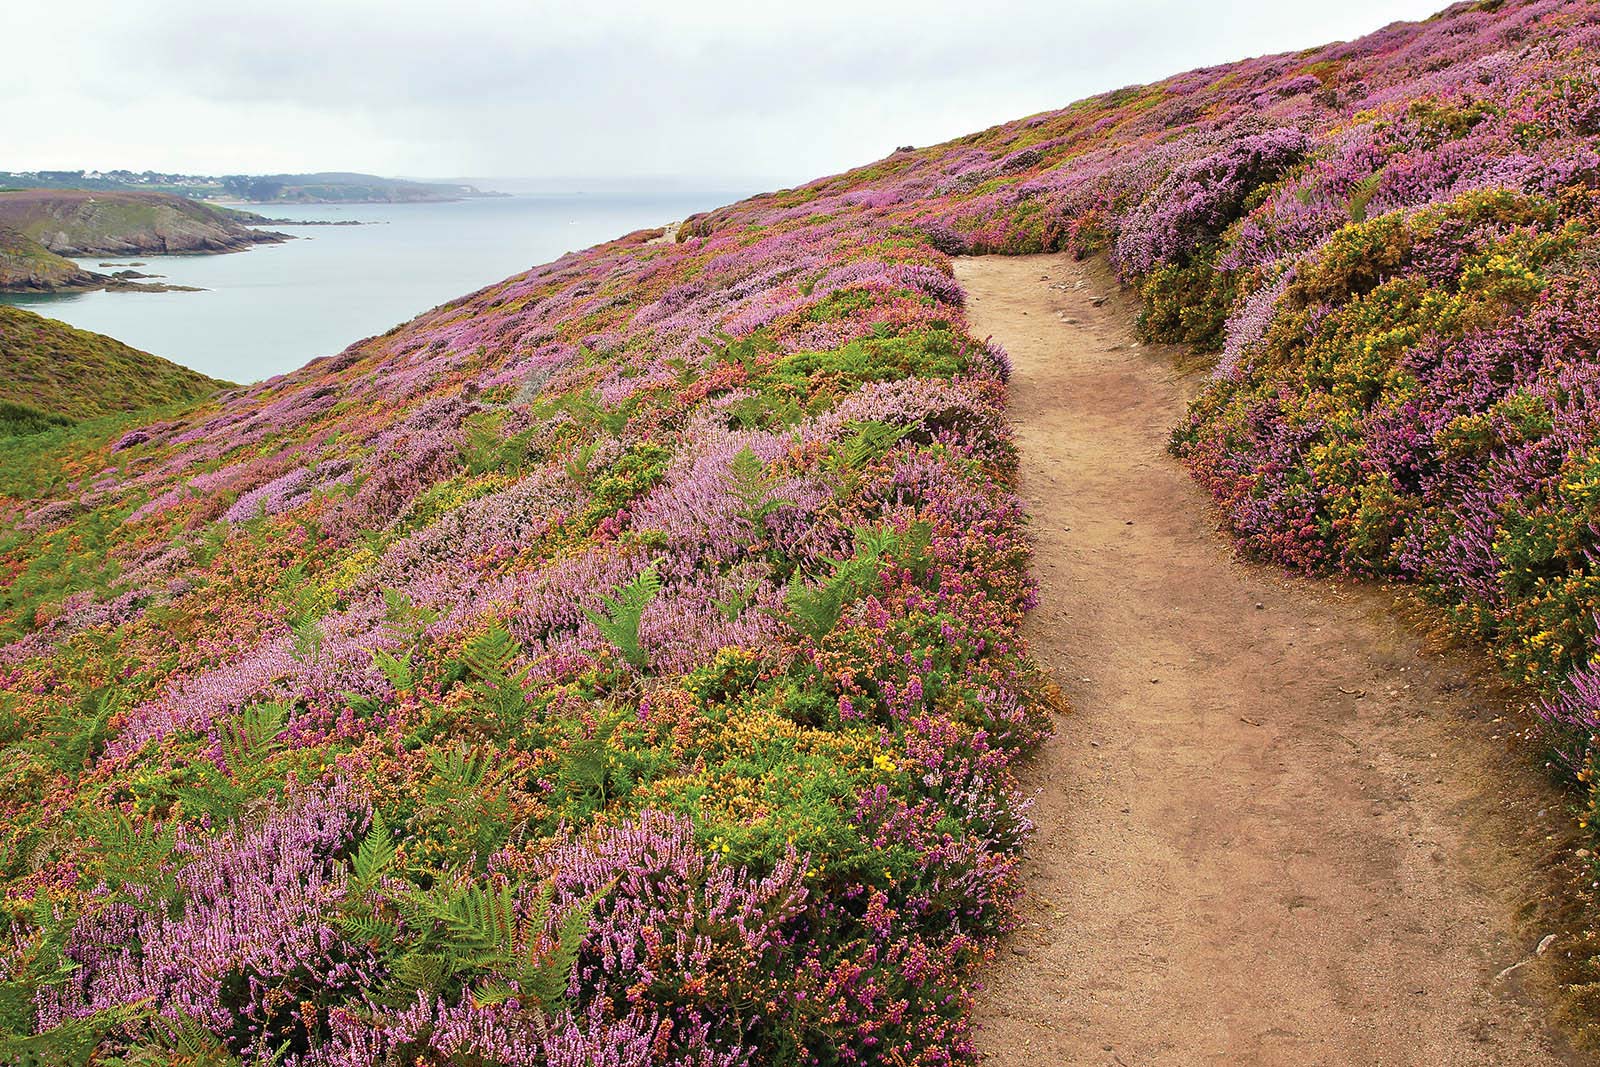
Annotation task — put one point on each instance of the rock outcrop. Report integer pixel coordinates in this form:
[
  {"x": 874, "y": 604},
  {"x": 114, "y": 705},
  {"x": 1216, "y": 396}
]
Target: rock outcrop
[{"x": 27, "y": 266}]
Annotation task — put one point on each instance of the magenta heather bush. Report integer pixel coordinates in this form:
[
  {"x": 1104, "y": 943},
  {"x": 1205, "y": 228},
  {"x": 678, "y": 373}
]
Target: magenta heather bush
[
  {"x": 1197, "y": 200},
  {"x": 247, "y": 938}
]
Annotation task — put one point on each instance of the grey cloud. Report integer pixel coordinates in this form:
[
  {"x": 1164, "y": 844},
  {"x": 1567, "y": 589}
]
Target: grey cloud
[{"x": 719, "y": 88}]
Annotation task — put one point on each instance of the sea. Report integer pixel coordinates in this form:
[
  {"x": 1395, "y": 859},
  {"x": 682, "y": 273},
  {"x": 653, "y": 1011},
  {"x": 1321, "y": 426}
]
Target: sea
[{"x": 271, "y": 309}]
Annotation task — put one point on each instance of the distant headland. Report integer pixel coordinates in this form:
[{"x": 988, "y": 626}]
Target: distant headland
[
  {"x": 41, "y": 228},
  {"x": 327, "y": 187}
]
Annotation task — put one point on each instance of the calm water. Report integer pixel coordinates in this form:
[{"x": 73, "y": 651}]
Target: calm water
[{"x": 274, "y": 307}]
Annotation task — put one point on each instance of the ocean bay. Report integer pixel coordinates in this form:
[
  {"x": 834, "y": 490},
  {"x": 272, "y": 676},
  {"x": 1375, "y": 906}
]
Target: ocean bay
[{"x": 269, "y": 310}]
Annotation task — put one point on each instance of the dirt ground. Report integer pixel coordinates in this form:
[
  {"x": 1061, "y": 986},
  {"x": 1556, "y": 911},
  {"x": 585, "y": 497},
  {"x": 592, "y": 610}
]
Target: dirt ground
[{"x": 1277, "y": 829}]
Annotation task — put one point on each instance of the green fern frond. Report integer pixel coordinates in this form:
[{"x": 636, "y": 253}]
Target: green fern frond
[
  {"x": 397, "y": 669},
  {"x": 490, "y": 655},
  {"x": 460, "y": 772},
  {"x": 376, "y": 854},
  {"x": 578, "y": 465},
  {"x": 753, "y": 487},
  {"x": 73, "y": 1042},
  {"x": 815, "y": 610},
  {"x": 73, "y": 738},
  {"x": 405, "y": 620},
  {"x": 480, "y": 447},
  {"x": 618, "y": 623},
  {"x": 307, "y": 638},
  {"x": 251, "y": 735},
  {"x": 499, "y": 689}
]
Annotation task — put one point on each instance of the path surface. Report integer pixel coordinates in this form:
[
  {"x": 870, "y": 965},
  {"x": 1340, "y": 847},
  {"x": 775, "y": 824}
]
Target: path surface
[{"x": 1275, "y": 831}]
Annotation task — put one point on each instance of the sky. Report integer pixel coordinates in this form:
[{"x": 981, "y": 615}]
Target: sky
[{"x": 740, "y": 92}]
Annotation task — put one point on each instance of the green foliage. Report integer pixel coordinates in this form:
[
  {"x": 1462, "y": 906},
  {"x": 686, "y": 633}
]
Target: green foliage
[
  {"x": 618, "y": 621},
  {"x": 487, "y": 938},
  {"x": 133, "y": 854},
  {"x": 867, "y": 443},
  {"x": 743, "y": 351},
  {"x": 74, "y": 735},
  {"x": 397, "y": 669},
  {"x": 304, "y": 605},
  {"x": 499, "y": 689},
  {"x": 815, "y": 610},
  {"x": 251, "y": 735},
  {"x": 485, "y": 447},
  {"x": 734, "y": 604},
  {"x": 405, "y": 620},
  {"x": 1362, "y": 195},
  {"x": 458, "y": 773},
  {"x": 307, "y": 633},
  {"x": 53, "y": 369},
  {"x": 37, "y": 962},
  {"x": 763, "y": 412},
  {"x": 1186, "y": 304},
  {"x": 185, "y": 1040},
  {"x": 248, "y": 740},
  {"x": 375, "y": 856},
  {"x": 637, "y": 471},
  {"x": 211, "y": 543},
  {"x": 75, "y": 1042},
  {"x": 465, "y": 813},
  {"x": 577, "y": 466},
  {"x": 59, "y": 562},
  {"x": 816, "y": 380},
  {"x": 19, "y": 419},
  {"x": 753, "y": 486}
]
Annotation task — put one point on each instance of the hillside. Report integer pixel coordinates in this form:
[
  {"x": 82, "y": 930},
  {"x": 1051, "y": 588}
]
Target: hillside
[
  {"x": 622, "y": 663},
  {"x": 74, "y": 375},
  {"x": 84, "y": 223}
]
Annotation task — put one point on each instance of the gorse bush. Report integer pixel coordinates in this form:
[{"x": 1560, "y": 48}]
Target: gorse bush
[{"x": 621, "y": 664}]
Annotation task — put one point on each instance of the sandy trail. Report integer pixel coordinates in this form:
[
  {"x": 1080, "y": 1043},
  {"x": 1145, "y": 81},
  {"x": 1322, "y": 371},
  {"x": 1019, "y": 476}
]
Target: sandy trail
[{"x": 1276, "y": 831}]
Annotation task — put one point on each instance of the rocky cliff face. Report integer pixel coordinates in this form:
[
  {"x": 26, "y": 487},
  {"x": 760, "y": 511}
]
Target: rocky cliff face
[
  {"x": 83, "y": 223},
  {"x": 27, "y": 266}
]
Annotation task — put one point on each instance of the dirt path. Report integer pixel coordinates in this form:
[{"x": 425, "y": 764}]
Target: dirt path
[{"x": 1275, "y": 831}]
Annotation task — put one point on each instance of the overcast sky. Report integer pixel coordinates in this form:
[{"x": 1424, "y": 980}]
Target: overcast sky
[{"x": 729, "y": 90}]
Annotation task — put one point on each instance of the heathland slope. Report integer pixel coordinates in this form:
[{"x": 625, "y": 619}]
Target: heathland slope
[
  {"x": 74, "y": 374},
  {"x": 623, "y": 660},
  {"x": 72, "y": 222}
]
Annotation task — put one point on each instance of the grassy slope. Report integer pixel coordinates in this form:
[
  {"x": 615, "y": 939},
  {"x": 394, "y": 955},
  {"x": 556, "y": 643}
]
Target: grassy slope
[{"x": 60, "y": 370}]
